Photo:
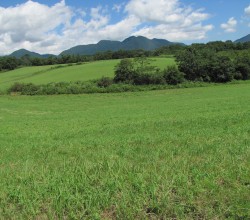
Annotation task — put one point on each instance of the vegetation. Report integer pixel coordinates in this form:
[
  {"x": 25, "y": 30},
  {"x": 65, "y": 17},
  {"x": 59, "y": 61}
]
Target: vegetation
[
  {"x": 207, "y": 65},
  {"x": 194, "y": 65},
  {"x": 33, "y": 59},
  {"x": 103, "y": 85},
  {"x": 173, "y": 154},
  {"x": 68, "y": 72},
  {"x": 10, "y": 62}
]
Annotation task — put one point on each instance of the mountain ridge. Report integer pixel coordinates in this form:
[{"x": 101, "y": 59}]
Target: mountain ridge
[
  {"x": 22, "y": 52},
  {"x": 130, "y": 43},
  {"x": 243, "y": 39}
]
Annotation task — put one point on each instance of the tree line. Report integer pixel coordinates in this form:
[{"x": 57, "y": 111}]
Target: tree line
[
  {"x": 11, "y": 63},
  {"x": 196, "y": 63},
  {"x": 227, "y": 49}
]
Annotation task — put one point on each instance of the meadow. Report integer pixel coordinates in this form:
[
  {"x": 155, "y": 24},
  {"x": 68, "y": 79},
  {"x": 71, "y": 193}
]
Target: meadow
[
  {"x": 67, "y": 73},
  {"x": 170, "y": 154}
]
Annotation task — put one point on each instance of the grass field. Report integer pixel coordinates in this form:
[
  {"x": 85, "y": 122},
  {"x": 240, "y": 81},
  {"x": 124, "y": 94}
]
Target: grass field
[
  {"x": 174, "y": 154},
  {"x": 84, "y": 72}
]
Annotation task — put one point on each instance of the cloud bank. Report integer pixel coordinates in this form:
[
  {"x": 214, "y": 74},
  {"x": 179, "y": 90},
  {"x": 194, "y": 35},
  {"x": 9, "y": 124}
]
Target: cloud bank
[{"x": 38, "y": 27}]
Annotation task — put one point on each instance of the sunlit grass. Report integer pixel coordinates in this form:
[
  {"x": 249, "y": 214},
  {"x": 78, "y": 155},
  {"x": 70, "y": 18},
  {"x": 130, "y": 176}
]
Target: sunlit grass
[
  {"x": 66, "y": 73},
  {"x": 180, "y": 154}
]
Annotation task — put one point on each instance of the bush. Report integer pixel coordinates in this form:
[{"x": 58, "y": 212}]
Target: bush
[
  {"x": 173, "y": 76},
  {"x": 222, "y": 70},
  {"x": 29, "y": 89},
  {"x": 138, "y": 71},
  {"x": 244, "y": 70},
  {"x": 157, "y": 79},
  {"x": 16, "y": 87},
  {"x": 105, "y": 82},
  {"x": 24, "y": 88},
  {"x": 124, "y": 71}
]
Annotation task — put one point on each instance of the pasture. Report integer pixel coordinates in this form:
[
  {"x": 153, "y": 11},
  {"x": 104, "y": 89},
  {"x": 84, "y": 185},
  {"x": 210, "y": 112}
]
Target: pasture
[
  {"x": 66, "y": 73},
  {"x": 173, "y": 154}
]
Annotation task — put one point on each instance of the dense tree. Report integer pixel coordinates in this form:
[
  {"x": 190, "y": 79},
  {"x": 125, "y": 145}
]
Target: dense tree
[
  {"x": 196, "y": 61},
  {"x": 201, "y": 63},
  {"x": 124, "y": 71},
  {"x": 242, "y": 65},
  {"x": 9, "y": 63},
  {"x": 173, "y": 76}
]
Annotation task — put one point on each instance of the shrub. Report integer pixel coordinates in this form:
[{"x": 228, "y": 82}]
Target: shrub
[
  {"x": 244, "y": 70},
  {"x": 16, "y": 87},
  {"x": 30, "y": 89},
  {"x": 157, "y": 79},
  {"x": 173, "y": 76},
  {"x": 124, "y": 71},
  {"x": 24, "y": 88},
  {"x": 222, "y": 70},
  {"x": 105, "y": 82}
]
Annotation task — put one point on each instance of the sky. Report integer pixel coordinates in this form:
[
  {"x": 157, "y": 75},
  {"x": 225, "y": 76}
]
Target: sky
[{"x": 51, "y": 26}]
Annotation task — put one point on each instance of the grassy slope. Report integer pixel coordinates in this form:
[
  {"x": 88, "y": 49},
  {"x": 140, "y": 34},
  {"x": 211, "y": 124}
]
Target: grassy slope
[
  {"x": 172, "y": 154},
  {"x": 84, "y": 72}
]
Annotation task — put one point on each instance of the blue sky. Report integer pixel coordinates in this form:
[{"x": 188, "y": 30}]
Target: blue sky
[{"x": 50, "y": 26}]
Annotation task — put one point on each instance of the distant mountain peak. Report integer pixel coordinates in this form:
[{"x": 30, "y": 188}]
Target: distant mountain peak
[
  {"x": 22, "y": 52},
  {"x": 243, "y": 39},
  {"x": 130, "y": 43}
]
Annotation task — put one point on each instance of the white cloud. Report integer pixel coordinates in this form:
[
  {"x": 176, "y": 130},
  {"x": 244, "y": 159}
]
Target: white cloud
[
  {"x": 171, "y": 20},
  {"x": 230, "y": 26},
  {"x": 247, "y": 10},
  {"x": 29, "y": 24},
  {"x": 40, "y": 28},
  {"x": 197, "y": 32}
]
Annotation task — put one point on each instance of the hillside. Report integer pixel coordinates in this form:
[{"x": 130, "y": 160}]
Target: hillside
[
  {"x": 66, "y": 73},
  {"x": 22, "y": 52},
  {"x": 243, "y": 39},
  {"x": 131, "y": 43}
]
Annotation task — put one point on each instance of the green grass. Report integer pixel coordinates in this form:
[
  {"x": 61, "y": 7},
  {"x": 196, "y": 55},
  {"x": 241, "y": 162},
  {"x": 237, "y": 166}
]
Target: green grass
[
  {"x": 84, "y": 72},
  {"x": 174, "y": 154}
]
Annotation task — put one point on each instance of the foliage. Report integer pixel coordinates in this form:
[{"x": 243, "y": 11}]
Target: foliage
[
  {"x": 125, "y": 71},
  {"x": 105, "y": 82},
  {"x": 173, "y": 76},
  {"x": 8, "y": 63},
  {"x": 104, "y": 85},
  {"x": 138, "y": 71},
  {"x": 201, "y": 63},
  {"x": 242, "y": 65},
  {"x": 76, "y": 72}
]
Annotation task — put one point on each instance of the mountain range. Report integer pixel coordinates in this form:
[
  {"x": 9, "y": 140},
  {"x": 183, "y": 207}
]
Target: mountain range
[{"x": 131, "y": 43}]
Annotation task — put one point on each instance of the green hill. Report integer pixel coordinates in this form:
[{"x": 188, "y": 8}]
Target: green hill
[{"x": 66, "y": 73}]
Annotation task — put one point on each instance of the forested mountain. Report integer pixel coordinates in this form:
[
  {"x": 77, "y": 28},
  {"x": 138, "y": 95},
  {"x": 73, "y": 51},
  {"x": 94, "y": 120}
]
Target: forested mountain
[
  {"x": 243, "y": 39},
  {"x": 22, "y": 52},
  {"x": 131, "y": 43}
]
